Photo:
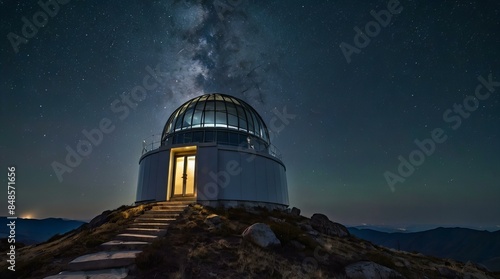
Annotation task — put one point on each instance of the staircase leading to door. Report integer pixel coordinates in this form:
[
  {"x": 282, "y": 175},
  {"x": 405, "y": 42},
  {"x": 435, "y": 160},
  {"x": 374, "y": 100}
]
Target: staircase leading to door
[{"x": 117, "y": 255}]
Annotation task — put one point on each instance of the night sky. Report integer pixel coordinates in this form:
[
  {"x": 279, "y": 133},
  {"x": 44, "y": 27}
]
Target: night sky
[{"x": 356, "y": 103}]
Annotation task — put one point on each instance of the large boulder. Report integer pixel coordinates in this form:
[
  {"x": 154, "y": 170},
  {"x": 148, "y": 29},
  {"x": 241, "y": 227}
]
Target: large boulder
[
  {"x": 322, "y": 224},
  {"x": 261, "y": 234},
  {"x": 370, "y": 270}
]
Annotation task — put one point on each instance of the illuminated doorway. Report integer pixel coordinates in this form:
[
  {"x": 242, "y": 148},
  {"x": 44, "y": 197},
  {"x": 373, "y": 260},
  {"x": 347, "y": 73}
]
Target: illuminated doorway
[{"x": 183, "y": 182}]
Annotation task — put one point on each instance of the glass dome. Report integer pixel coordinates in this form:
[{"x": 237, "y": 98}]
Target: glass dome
[{"x": 215, "y": 117}]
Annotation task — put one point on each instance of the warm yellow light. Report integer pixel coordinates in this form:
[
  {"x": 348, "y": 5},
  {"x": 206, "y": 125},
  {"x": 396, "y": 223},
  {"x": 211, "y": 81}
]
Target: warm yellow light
[{"x": 27, "y": 216}]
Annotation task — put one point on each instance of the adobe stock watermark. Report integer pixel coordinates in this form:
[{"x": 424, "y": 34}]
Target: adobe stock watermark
[
  {"x": 454, "y": 116},
  {"x": 39, "y": 20},
  {"x": 311, "y": 264},
  {"x": 121, "y": 108},
  {"x": 372, "y": 28}
]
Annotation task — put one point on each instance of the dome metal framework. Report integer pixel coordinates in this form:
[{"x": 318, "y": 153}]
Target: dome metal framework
[{"x": 216, "y": 117}]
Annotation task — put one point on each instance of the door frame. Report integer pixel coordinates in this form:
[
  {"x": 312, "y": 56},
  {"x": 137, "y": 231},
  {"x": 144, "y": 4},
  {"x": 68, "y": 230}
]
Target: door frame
[{"x": 179, "y": 151}]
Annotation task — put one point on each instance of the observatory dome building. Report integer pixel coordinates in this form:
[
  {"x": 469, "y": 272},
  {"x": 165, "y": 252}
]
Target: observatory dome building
[{"x": 215, "y": 149}]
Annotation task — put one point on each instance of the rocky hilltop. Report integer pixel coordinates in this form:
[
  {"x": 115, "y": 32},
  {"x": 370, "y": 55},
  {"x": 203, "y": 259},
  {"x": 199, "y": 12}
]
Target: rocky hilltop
[{"x": 205, "y": 242}]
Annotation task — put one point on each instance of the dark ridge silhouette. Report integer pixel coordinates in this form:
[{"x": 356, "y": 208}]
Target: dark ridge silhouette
[
  {"x": 482, "y": 247},
  {"x": 33, "y": 231}
]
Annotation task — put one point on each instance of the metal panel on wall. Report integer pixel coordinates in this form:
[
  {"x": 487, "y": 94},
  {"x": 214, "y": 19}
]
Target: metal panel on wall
[
  {"x": 278, "y": 183},
  {"x": 162, "y": 175},
  {"x": 147, "y": 187},
  {"x": 284, "y": 186},
  {"x": 206, "y": 158},
  {"x": 229, "y": 164},
  {"x": 248, "y": 172},
  {"x": 153, "y": 170},
  {"x": 260, "y": 179},
  {"x": 140, "y": 182},
  {"x": 271, "y": 180}
]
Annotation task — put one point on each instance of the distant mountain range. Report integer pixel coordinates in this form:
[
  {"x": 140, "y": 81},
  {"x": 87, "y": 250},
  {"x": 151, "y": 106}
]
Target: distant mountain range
[
  {"x": 482, "y": 247},
  {"x": 406, "y": 228},
  {"x": 32, "y": 231}
]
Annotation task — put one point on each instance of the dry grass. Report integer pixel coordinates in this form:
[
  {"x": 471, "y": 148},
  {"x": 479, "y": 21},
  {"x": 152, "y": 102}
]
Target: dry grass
[
  {"x": 199, "y": 251},
  {"x": 196, "y": 250}
]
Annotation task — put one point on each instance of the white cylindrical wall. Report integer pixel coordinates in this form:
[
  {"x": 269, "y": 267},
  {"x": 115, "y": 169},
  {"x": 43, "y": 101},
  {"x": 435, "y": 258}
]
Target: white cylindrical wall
[{"x": 223, "y": 173}]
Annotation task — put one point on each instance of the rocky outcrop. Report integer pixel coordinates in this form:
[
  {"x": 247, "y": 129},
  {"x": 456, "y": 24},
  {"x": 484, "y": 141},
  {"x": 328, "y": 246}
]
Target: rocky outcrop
[
  {"x": 370, "y": 270},
  {"x": 322, "y": 224},
  {"x": 261, "y": 235},
  {"x": 295, "y": 211},
  {"x": 100, "y": 219},
  {"x": 214, "y": 221},
  {"x": 446, "y": 272}
]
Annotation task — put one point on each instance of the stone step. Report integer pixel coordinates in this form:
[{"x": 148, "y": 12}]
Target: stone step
[
  {"x": 186, "y": 202},
  {"x": 115, "y": 273},
  {"x": 177, "y": 205},
  {"x": 153, "y": 225},
  {"x": 167, "y": 219},
  {"x": 115, "y": 245},
  {"x": 147, "y": 231},
  {"x": 103, "y": 260},
  {"x": 162, "y": 212},
  {"x": 160, "y": 216},
  {"x": 143, "y": 219},
  {"x": 169, "y": 207},
  {"x": 136, "y": 237}
]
